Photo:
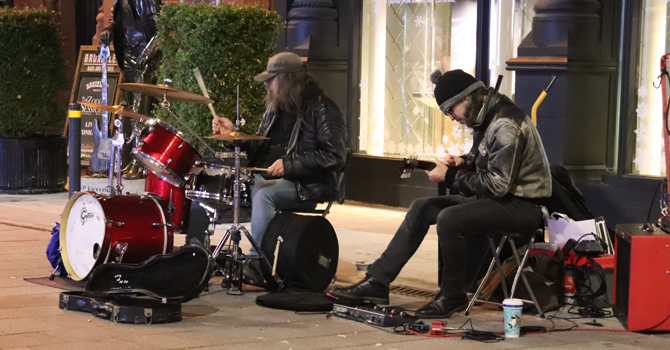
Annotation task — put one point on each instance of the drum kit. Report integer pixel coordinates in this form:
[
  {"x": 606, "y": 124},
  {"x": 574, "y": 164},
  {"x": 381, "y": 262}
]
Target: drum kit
[{"x": 112, "y": 227}]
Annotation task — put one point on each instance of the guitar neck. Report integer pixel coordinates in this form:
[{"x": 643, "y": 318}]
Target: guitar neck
[
  {"x": 104, "y": 56},
  {"x": 425, "y": 165}
]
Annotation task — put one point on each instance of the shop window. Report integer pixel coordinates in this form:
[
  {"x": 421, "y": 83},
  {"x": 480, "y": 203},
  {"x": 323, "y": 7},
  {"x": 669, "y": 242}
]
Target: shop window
[
  {"x": 403, "y": 42},
  {"x": 649, "y": 145},
  {"x": 510, "y": 22}
]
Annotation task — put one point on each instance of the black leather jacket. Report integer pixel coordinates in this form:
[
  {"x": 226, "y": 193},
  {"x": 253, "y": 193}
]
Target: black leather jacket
[
  {"x": 510, "y": 158},
  {"x": 316, "y": 150}
]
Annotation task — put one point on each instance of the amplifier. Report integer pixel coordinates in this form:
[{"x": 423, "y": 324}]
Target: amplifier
[
  {"x": 375, "y": 315},
  {"x": 642, "y": 277}
]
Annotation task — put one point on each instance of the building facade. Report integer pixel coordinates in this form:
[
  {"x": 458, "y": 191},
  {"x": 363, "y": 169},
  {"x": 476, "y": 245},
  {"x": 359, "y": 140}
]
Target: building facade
[{"x": 602, "y": 119}]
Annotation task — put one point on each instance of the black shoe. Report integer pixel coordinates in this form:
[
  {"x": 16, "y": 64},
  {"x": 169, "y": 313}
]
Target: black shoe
[
  {"x": 367, "y": 290},
  {"x": 252, "y": 273},
  {"x": 442, "y": 307}
]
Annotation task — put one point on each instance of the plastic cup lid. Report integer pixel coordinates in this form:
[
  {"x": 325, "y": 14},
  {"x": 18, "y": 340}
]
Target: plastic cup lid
[{"x": 512, "y": 302}]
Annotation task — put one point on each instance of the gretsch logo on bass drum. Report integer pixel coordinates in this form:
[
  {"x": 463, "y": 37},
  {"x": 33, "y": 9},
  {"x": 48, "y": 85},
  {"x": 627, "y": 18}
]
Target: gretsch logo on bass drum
[{"x": 85, "y": 215}]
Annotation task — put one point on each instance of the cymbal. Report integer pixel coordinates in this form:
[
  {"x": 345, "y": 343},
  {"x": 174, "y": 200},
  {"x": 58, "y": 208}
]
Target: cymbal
[
  {"x": 118, "y": 109},
  {"x": 160, "y": 90},
  {"x": 237, "y": 136}
]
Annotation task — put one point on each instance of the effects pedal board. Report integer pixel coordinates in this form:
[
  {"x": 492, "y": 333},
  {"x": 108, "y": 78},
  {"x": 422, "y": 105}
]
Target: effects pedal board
[{"x": 374, "y": 315}]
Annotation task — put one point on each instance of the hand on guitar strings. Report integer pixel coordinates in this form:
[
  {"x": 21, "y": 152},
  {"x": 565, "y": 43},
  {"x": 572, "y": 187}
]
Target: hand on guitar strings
[
  {"x": 452, "y": 160},
  {"x": 438, "y": 173}
]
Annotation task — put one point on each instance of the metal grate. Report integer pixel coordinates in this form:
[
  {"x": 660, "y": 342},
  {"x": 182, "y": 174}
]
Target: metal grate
[{"x": 413, "y": 292}]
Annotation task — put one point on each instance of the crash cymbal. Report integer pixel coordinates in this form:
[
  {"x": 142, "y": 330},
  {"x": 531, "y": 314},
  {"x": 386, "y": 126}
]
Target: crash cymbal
[
  {"x": 118, "y": 109},
  {"x": 237, "y": 136},
  {"x": 160, "y": 90}
]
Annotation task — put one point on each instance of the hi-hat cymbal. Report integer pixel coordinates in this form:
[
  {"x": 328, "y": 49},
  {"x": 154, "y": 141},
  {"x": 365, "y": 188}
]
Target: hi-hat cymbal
[
  {"x": 237, "y": 136},
  {"x": 170, "y": 92},
  {"x": 118, "y": 109}
]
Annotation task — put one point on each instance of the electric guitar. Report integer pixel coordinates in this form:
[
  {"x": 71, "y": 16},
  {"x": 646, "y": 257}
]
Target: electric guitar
[{"x": 102, "y": 144}]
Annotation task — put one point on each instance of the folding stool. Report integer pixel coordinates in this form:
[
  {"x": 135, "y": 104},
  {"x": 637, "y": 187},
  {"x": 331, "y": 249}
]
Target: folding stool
[{"x": 507, "y": 236}]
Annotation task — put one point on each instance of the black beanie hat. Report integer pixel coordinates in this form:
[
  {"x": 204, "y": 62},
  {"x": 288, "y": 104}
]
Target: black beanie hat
[{"x": 453, "y": 86}]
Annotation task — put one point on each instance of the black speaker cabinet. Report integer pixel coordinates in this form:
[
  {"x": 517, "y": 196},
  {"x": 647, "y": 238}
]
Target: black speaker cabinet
[{"x": 642, "y": 278}]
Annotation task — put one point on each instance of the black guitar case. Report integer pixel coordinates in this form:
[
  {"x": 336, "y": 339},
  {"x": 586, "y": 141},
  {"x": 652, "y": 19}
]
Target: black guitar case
[
  {"x": 309, "y": 252},
  {"x": 179, "y": 276},
  {"x": 121, "y": 309}
]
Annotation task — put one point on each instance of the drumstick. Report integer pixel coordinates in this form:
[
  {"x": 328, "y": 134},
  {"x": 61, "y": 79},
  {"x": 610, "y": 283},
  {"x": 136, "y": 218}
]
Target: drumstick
[
  {"x": 274, "y": 266},
  {"x": 201, "y": 83},
  {"x": 256, "y": 169}
]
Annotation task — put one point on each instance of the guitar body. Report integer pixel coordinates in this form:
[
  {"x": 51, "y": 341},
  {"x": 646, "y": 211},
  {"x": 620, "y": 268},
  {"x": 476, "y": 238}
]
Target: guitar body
[
  {"x": 102, "y": 144},
  {"x": 102, "y": 150}
]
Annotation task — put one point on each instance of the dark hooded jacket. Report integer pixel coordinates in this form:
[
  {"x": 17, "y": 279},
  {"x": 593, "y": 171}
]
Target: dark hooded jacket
[
  {"x": 316, "y": 150},
  {"x": 510, "y": 157}
]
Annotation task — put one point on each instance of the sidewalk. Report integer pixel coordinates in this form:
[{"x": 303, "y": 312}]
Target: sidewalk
[{"x": 30, "y": 317}]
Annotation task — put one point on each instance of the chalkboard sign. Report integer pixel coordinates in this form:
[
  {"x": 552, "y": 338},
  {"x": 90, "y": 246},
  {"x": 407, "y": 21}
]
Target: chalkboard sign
[{"x": 87, "y": 87}]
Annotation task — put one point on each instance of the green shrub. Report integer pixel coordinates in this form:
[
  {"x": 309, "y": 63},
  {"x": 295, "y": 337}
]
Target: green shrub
[
  {"x": 31, "y": 73},
  {"x": 229, "y": 44}
]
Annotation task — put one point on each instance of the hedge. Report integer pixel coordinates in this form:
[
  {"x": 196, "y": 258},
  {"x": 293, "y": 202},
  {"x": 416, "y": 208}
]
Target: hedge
[
  {"x": 31, "y": 73},
  {"x": 229, "y": 44}
]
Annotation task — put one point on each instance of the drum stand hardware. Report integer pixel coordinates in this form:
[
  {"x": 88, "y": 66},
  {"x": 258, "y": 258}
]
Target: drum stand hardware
[
  {"x": 234, "y": 233},
  {"x": 115, "y": 161},
  {"x": 235, "y": 229},
  {"x": 121, "y": 248}
]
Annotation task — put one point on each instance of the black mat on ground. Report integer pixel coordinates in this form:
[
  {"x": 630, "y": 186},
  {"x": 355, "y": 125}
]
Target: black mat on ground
[
  {"x": 296, "y": 300},
  {"x": 60, "y": 283}
]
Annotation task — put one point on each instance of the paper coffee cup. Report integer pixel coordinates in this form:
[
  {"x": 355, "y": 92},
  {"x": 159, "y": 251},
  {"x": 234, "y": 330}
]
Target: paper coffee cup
[{"x": 512, "y": 312}]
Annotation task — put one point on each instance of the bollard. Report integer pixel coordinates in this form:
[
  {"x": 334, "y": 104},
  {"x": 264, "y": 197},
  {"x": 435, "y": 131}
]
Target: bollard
[{"x": 74, "y": 161}]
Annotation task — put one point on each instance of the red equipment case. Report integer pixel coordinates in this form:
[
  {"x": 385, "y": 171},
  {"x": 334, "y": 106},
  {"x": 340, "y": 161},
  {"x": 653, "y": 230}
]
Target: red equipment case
[{"x": 642, "y": 278}]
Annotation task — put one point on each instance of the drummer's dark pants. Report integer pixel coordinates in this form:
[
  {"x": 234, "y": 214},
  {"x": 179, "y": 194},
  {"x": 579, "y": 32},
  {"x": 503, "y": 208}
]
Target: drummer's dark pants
[
  {"x": 456, "y": 217},
  {"x": 267, "y": 197}
]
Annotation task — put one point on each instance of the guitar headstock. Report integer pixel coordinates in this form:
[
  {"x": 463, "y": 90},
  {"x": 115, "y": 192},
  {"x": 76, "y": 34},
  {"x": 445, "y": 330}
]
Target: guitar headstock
[
  {"x": 104, "y": 53},
  {"x": 408, "y": 164}
]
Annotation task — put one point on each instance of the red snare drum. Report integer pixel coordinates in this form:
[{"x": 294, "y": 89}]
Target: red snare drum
[
  {"x": 182, "y": 205},
  {"x": 165, "y": 153},
  {"x": 95, "y": 229}
]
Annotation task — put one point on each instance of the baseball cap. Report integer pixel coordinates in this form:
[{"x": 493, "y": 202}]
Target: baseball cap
[{"x": 284, "y": 62}]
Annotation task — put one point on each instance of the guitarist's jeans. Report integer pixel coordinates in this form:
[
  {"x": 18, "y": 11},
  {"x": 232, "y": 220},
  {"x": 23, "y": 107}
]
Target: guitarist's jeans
[{"x": 456, "y": 217}]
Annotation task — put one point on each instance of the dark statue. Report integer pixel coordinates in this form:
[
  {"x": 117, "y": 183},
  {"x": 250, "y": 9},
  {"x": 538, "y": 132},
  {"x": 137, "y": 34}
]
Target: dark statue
[{"x": 133, "y": 31}]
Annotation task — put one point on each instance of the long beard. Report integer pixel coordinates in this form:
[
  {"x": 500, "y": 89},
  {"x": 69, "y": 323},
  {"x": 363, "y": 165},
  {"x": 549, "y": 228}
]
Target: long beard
[{"x": 271, "y": 101}]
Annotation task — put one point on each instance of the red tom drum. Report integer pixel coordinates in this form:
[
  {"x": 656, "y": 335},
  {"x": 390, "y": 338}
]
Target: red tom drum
[{"x": 165, "y": 153}]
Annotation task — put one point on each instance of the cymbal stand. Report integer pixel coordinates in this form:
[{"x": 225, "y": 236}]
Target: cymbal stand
[
  {"x": 235, "y": 229},
  {"x": 234, "y": 233},
  {"x": 166, "y": 106}
]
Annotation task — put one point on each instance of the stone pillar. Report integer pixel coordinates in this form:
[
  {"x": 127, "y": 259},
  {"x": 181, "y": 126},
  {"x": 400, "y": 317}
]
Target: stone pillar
[
  {"x": 312, "y": 25},
  {"x": 573, "y": 40},
  {"x": 317, "y": 30}
]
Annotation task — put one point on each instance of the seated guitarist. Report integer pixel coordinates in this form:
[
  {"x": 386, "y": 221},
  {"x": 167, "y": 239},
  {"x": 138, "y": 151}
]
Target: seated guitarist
[{"x": 495, "y": 188}]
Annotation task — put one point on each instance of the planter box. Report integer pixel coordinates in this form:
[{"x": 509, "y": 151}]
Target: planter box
[{"x": 33, "y": 165}]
